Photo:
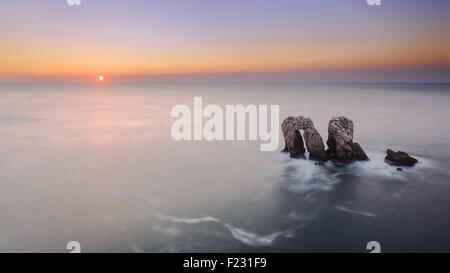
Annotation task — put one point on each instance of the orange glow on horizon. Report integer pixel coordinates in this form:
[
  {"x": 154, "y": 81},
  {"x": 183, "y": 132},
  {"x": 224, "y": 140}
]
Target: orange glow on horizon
[
  {"x": 83, "y": 62},
  {"x": 49, "y": 42}
]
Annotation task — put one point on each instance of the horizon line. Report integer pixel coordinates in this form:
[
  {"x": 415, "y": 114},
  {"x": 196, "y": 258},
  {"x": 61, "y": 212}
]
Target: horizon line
[{"x": 224, "y": 82}]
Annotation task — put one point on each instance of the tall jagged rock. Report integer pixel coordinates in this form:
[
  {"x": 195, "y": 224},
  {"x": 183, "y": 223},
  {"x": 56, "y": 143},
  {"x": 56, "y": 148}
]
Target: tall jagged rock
[
  {"x": 313, "y": 140},
  {"x": 340, "y": 143},
  {"x": 293, "y": 139}
]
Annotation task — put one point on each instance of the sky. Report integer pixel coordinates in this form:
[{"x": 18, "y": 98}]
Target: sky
[{"x": 146, "y": 40}]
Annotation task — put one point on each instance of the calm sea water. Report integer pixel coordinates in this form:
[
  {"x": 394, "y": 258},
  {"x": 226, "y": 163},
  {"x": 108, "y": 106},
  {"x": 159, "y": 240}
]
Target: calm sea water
[{"x": 95, "y": 163}]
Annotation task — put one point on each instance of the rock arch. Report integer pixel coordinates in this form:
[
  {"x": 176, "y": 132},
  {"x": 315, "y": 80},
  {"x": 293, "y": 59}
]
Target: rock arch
[
  {"x": 291, "y": 127},
  {"x": 341, "y": 147}
]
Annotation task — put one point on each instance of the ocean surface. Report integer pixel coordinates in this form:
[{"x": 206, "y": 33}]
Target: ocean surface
[{"x": 95, "y": 163}]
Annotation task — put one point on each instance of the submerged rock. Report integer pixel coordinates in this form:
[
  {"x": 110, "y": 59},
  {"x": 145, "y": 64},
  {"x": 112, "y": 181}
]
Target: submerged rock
[
  {"x": 340, "y": 143},
  {"x": 399, "y": 158},
  {"x": 340, "y": 140}
]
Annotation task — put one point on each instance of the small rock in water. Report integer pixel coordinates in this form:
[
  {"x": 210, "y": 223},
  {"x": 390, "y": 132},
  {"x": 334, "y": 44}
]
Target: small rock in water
[
  {"x": 399, "y": 169},
  {"x": 399, "y": 158}
]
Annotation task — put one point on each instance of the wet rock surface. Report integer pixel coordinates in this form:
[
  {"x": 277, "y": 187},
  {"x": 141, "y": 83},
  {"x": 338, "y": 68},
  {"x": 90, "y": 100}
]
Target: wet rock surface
[
  {"x": 291, "y": 127},
  {"x": 399, "y": 158},
  {"x": 340, "y": 143}
]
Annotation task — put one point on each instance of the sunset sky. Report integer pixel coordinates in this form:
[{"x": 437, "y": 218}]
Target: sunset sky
[{"x": 145, "y": 40}]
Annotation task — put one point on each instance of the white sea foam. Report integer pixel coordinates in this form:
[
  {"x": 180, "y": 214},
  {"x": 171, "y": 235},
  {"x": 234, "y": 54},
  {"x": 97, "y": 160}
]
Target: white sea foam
[
  {"x": 244, "y": 236},
  {"x": 253, "y": 239},
  {"x": 376, "y": 166},
  {"x": 363, "y": 213},
  {"x": 306, "y": 176},
  {"x": 187, "y": 220}
]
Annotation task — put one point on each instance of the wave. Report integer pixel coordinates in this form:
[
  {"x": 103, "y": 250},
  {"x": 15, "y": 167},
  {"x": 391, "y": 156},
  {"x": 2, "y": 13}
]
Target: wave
[
  {"x": 244, "y": 236},
  {"x": 376, "y": 166},
  {"x": 254, "y": 239},
  {"x": 352, "y": 211},
  {"x": 188, "y": 220},
  {"x": 304, "y": 176},
  {"x": 301, "y": 217}
]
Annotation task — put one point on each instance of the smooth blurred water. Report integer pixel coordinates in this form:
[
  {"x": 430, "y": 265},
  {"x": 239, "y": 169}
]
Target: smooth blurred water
[{"x": 95, "y": 163}]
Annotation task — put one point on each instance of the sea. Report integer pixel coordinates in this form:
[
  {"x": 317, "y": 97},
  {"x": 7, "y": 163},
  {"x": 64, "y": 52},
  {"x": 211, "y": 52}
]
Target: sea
[{"x": 96, "y": 163}]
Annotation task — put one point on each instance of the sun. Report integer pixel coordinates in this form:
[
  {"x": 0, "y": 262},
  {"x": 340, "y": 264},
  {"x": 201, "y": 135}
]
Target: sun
[{"x": 100, "y": 78}]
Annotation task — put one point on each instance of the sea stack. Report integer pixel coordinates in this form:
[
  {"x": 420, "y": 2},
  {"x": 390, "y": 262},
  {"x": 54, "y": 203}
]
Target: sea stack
[
  {"x": 340, "y": 140},
  {"x": 292, "y": 138},
  {"x": 341, "y": 147},
  {"x": 291, "y": 128}
]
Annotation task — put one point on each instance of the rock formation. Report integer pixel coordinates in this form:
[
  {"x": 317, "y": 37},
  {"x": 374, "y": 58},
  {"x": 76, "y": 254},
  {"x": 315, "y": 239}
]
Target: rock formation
[
  {"x": 399, "y": 158},
  {"x": 340, "y": 140},
  {"x": 293, "y": 139},
  {"x": 340, "y": 143},
  {"x": 341, "y": 147},
  {"x": 313, "y": 140},
  {"x": 291, "y": 128}
]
